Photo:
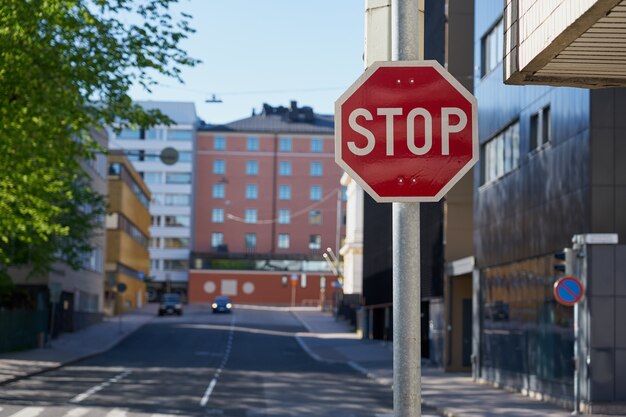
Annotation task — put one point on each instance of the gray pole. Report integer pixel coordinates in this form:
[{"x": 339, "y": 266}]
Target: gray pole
[{"x": 407, "y": 43}]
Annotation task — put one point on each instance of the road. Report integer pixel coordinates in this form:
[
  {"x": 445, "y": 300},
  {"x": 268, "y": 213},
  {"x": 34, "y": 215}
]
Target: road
[{"x": 244, "y": 364}]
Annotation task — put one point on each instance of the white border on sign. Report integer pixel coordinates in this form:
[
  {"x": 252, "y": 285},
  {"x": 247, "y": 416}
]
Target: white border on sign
[{"x": 359, "y": 82}]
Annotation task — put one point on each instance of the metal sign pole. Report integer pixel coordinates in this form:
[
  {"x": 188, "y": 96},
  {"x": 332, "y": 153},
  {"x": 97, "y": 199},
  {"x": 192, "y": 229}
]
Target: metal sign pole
[{"x": 407, "y": 43}]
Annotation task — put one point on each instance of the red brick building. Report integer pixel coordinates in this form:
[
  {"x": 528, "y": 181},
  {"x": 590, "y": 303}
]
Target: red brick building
[{"x": 267, "y": 194}]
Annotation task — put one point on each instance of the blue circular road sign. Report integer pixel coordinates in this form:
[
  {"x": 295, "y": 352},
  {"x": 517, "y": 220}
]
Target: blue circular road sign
[{"x": 568, "y": 290}]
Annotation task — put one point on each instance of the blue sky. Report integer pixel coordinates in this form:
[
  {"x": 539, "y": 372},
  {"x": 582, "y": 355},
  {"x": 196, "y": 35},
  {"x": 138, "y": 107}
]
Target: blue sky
[{"x": 271, "y": 51}]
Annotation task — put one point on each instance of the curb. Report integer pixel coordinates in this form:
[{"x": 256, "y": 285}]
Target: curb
[{"x": 75, "y": 360}]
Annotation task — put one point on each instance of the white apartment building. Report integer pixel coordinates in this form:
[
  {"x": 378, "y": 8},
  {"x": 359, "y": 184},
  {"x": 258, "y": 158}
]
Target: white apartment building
[{"x": 171, "y": 188}]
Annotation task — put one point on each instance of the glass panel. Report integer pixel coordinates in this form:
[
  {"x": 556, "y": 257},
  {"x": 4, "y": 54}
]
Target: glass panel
[
  {"x": 177, "y": 221},
  {"x": 180, "y": 135},
  {"x": 129, "y": 134},
  {"x": 219, "y": 143},
  {"x": 284, "y": 145},
  {"x": 252, "y": 143},
  {"x": 176, "y": 242},
  {"x": 178, "y": 178},
  {"x": 217, "y": 215},
  {"x": 219, "y": 166}
]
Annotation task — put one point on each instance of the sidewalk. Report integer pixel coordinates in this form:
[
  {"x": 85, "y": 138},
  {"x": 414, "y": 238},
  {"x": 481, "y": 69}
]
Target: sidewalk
[
  {"x": 450, "y": 394},
  {"x": 71, "y": 347}
]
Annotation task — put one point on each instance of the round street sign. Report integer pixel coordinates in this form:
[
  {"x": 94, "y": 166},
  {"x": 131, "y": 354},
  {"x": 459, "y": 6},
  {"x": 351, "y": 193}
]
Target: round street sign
[
  {"x": 169, "y": 156},
  {"x": 568, "y": 290},
  {"x": 121, "y": 287},
  {"x": 406, "y": 131}
]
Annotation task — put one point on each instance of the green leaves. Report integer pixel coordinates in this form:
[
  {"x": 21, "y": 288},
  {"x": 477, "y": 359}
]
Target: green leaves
[{"x": 66, "y": 67}]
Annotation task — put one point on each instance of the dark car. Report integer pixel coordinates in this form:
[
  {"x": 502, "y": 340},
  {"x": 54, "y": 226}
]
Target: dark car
[
  {"x": 222, "y": 304},
  {"x": 170, "y": 304}
]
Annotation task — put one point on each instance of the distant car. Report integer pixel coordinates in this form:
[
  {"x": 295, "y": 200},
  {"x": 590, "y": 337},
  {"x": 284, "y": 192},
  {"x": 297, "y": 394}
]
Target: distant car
[
  {"x": 170, "y": 304},
  {"x": 222, "y": 304}
]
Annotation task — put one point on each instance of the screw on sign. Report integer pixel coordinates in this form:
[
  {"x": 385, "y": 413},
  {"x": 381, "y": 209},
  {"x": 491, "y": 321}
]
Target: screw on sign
[
  {"x": 568, "y": 290},
  {"x": 406, "y": 131}
]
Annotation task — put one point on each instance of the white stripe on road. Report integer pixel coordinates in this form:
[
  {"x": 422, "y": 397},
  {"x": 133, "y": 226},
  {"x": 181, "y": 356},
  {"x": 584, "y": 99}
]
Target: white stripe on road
[
  {"x": 28, "y": 412},
  {"x": 93, "y": 390},
  {"x": 77, "y": 412},
  {"x": 207, "y": 393},
  {"x": 116, "y": 412},
  {"x": 229, "y": 344}
]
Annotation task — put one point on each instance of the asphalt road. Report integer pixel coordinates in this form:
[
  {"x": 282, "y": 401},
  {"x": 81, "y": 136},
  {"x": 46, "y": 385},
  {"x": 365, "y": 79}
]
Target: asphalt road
[{"x": 244, "y": 364}]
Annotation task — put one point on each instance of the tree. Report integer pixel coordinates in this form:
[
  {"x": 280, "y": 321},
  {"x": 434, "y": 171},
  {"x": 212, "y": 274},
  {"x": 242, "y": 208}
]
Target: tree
[{"x": 66, "y": 67}]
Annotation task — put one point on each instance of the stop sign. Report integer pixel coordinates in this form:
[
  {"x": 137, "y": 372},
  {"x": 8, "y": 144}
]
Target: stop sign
[{"x": 406, "y": 131}]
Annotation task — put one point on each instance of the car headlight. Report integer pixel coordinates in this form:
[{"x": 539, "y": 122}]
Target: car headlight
[
  {"x": 214, "y": 305},
  {"x": 178, "y": 306},
  {"x": 229, "y": 305}
]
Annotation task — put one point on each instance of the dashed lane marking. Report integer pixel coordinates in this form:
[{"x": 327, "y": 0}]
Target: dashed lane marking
[
  {"x": 99, "y": 387},
  {"x": 229, "y": 344}
]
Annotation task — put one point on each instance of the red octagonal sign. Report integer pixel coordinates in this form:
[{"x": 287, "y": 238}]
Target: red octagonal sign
[{"x": 406, "y": 131}]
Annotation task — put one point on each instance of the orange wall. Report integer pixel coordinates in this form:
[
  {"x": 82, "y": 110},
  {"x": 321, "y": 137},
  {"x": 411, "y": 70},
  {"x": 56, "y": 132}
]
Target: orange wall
[{"x": 252, "y": 287}]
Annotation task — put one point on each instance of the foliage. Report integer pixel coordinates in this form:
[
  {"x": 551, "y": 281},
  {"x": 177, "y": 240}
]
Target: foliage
[{"x": 66, "y": 67}]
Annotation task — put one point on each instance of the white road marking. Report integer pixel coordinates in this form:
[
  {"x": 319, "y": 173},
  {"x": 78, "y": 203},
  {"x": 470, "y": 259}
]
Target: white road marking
[
  {"x": 77, "y": 412},
  {"x": 116, "y": 412},
  {"x": 207, "y": 393},
  {"x": 229, "y": 344},
  {"x": 28, "y": 412},
  {"x": 99, "y": 387}
]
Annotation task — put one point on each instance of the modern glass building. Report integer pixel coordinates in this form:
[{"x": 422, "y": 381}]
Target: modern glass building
[
  {"x": 547, "y": 172},
  {"x": 171, "y": 188}
]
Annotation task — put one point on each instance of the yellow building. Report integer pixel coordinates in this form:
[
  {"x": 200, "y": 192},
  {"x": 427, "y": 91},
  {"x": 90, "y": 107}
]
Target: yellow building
[{"x": 128, "y": 228}]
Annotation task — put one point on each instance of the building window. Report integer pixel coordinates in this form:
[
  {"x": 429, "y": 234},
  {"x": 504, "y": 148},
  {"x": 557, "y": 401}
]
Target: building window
[
  {"x": 154, "y": 242},
  {"x": 315, "y": 242},
  {"x": 252, "y": 167},
  {"x": 218, "y": 190},
  {"x": 284, "y": 216},
  {"x": 154, "y": 264},
  {"x": 219, "y": 166},
  {"x": 177, "y": 221},
  {"x": 284, "y": 192},
  {"x": 219, "y": 143},
  {"x": 252, "y": 191},
  {"x": 252, "y": 143},
  {"x": 315, "y": 217},
  {"x": 317, "y": 145},
  {"x": 492, "y": 48},
  {"x": 178, "y": 178},
  {"x": 316, "y": 169},
  {"x": 217, "y": 239},
  {"x": 284, "y": 168},
  {"x": 540, "y": 129},
  {"x": 129, "y": 134},
  {"x": 283, "y": 241},
  {"x": 184, "y": 157},
  {"x": 500, "y": 155},
  {"x": 217, "y": 215},
  {"x": 152, "y": 178},
  {"x": 176, "y": 243},
  {"x": 315, "y": 193},
  {"x": 251, "y": 215},
  {"x": 175, "y": 264},
  {"x": 284, "y": 145},
  {"x": 177, "y": 200},
  {"x": 180, "y": 135},
  {"x": 250, "y": 240},
  {"x": 155, "y": 221}
]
